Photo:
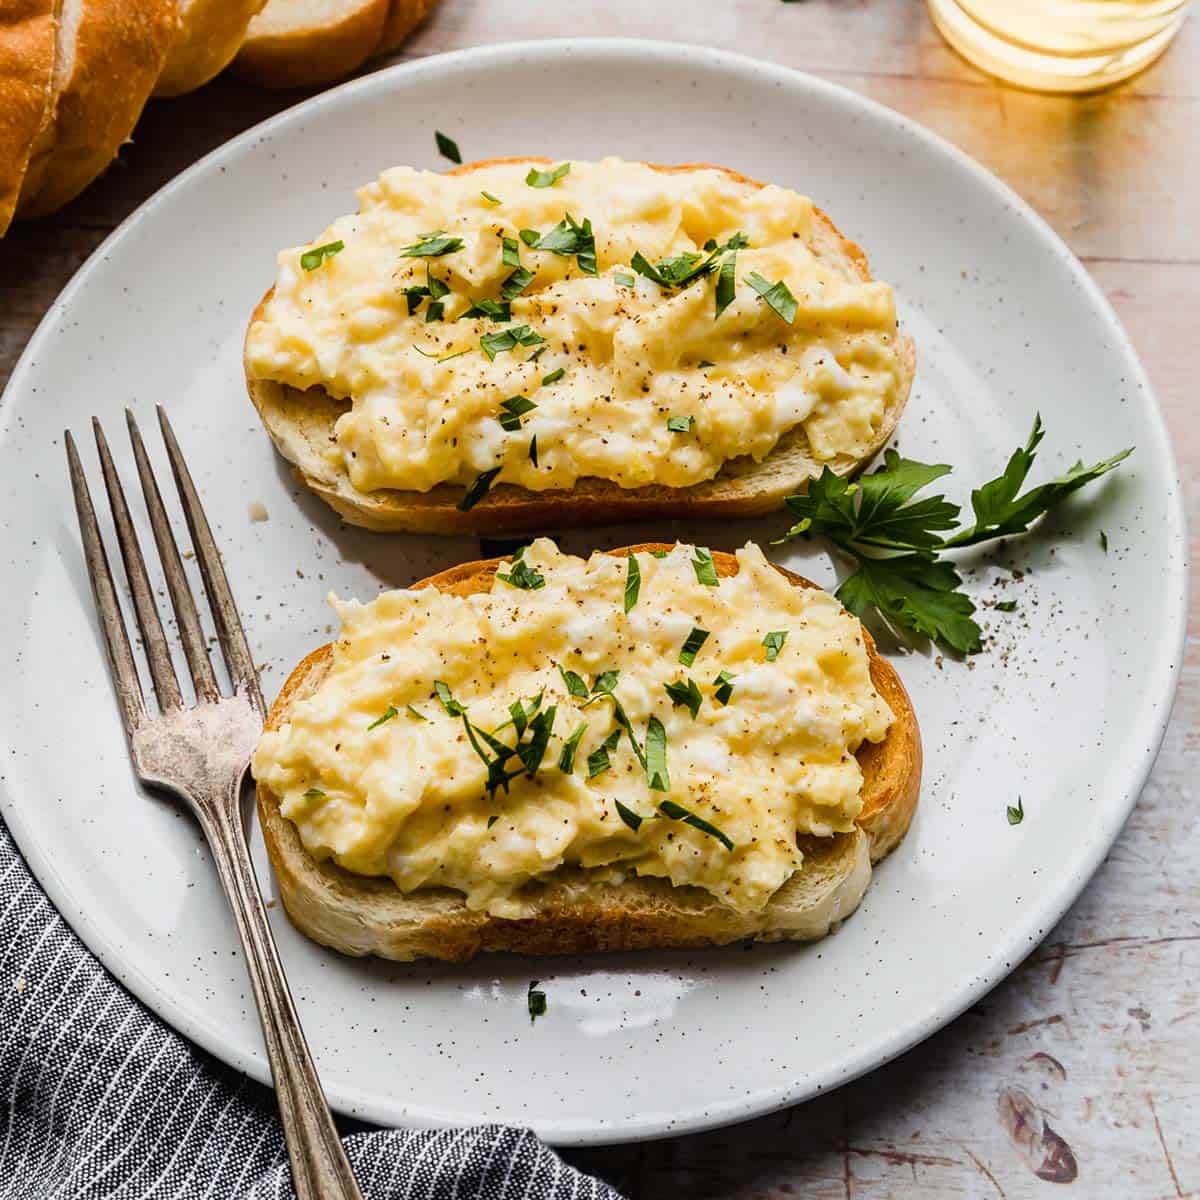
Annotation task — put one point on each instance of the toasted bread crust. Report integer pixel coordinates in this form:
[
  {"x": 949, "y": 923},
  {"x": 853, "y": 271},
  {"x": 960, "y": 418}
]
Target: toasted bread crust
[
  {"x": 210, "y": 32},
  {"x": 301, "y": 422},
  {"x": 27, "y": 48},
  {"x": 363, "y": 915}
]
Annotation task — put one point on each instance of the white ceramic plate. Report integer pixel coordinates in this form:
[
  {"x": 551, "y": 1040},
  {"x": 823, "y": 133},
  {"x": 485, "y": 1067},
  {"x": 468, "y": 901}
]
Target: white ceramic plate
[{"x": 1065, "y": 709}]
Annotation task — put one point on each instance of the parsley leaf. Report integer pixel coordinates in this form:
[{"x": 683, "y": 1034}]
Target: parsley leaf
[
  {"x": 1005, "y": 606},
  {"x": 516, "y": 283},
  {"x": 1016, "y": 815},
  {"x": 574, "y": 683},
  {"x": 598, "y": 761},
  {"x": 452, "y": 706},
  {"x": 724, "y": 686},
  {"x": 478, "y": 489},
  {"x": 691, "y": 647},
  {"x": 676, "y": 812},
  {"x": 314, "y": 793},
  {"x": 553, "y": 376},
  {"x": 776, "y": 295},
  {"x": 544, "y": 179},
  {"x": 566, "y": 760},
  {"x": 535, "y": 1001},
  {"x": 680, "y": 424},
  {"x": 629, "y": 816},
  {"x": 533, "y": 450},
  {"x": 492, "y": 309},
  {"x": 310, "y": 260},
  {"x": 522, "y": 575},
  {"x": 512, "y": 410},
  {"x": 567, "y": 238},
  {"x": 490, "y": 198},
  {"x": 447, "y": 146},
  {"x": 416, "y": 714},
  {"x": 774, "y": 643},
  {"x": 508, "y": 339},
  {"x": 656, "y": 756},
  {"x": 897, "y": 539},
  {"x": 432, "y": 245},
  {"x": 633, "y": 582},
  {"x": 705, "y": 568},
  {"x": 624, "y": 278},
  {"x": 510, "y": 252},
  {"x": 388, "y": 714},
  {"x": 687, "y": 694}
]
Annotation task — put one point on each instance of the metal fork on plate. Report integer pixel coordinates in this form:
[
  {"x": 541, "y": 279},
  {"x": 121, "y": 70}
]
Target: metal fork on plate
[{"x": 200, "y": 754}]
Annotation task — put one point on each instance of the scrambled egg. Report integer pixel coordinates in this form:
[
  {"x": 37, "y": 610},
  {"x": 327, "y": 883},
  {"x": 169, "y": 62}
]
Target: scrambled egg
[
  {"x": 379, "y": 769},
  {"x": 607, "y": 356}
]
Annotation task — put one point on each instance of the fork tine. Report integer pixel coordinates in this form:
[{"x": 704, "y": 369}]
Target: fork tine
[
  {"x": 116, "y": 640},
  {"x": 220, "y": 596},
  {"x": 186, "y": 617},
  {"x": 162, "y": 670}
]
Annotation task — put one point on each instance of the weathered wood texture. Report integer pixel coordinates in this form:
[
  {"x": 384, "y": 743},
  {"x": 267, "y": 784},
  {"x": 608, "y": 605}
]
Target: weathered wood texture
[{"x": 1087, "y": 1058}]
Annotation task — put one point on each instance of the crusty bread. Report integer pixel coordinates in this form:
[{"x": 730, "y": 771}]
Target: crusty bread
[
  {"x": 27, "y": 46},
  {"x": 301, "y": 426},
  {"x": 109, "y": 54},
  {"x": 301, "y": 43},
  {"x": 209, "y": 34},
  {"x": 575, "y": 913},
  {"x": 403, "y": 17}
]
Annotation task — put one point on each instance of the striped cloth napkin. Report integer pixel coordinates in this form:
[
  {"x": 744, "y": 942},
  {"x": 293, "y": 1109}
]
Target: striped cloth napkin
[{"x": 98, "y": 1098}]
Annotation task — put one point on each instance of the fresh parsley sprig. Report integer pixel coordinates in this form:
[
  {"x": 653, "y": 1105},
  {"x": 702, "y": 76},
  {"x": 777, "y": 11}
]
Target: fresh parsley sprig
[
  {"x": 684, "y": 269},
  {"x": 896, "y": 540}
]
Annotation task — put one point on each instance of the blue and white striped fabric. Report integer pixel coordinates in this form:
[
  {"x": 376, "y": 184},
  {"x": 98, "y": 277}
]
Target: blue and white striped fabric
[{"x": 98, "y": 1098}]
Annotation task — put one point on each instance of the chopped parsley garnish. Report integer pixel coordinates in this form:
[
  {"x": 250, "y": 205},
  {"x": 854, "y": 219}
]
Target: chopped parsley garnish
[
  {"x": 633, "y": 581},
  {"x": 310, "y": 260},
  {"x": 536, "y": 354},
  {"x": 691, "y": 647},
  {"x": 415, "y": 713},
  {"x": 492, "y": 820},
  {"x": 388, "y": 714},
  {"x": 598, "y": 761},
  {"x": 1016, "y": 815},
  {"x": 452, "y": 706},
  {"x": 604, "y": 688},
  {"x": 535, "y": 1001},
  {"x": 1005, "y": 606},
  {"x": 680, "y": 424},
  {"x": 435, "y": 312},
  {"x": 689, "y": 266},
  {"x": 445, "y": 357},
  {"x": 478, "y": 489},
  {"x": 512, "y": 410},
  {"x": 516, "y": 283},
  {"x": 435, "y": 289},
  {"x": 776, "y": 295},
  {"x": 510, "y": 253},
  {"x": 507, "y": 339},
  {"x": 567, "y": 238},
  {"x": 703, "y": 565},
  {"x": 533, "y": 450},
  {"x": 656, "y": 756},
  {"x": 604, "y": 683},
  {"x": 532, "y": 752},
  {"x": 704, "y": 362},
  {"x": 574, "y": 683},
  {"x": 494, "y": 310},
  {"x": 1104, "y": 541},
  {"x": 490, "y": 198},
  {"x": 629, "y": 816},
  {"x": 447, "y": 146},
  {"x": 624, "y": 278},
  {"x": 314, "y": 793},
  {"x": 676, "y": 812},
  {"x": 897, "y": 541},
  {"x": 724, "y": 686},
  {"x": 522, "y": 575},
  {"x": 687, "y": 694},
  {"x": 553, "y": 376},
  {"x": 432, "y": 245},
  {"x": 544, "y": 179},
  {"x": 774, "y": 643},
  {"x": 659, "y": 553},
  {"x": 566, "y": 760}
]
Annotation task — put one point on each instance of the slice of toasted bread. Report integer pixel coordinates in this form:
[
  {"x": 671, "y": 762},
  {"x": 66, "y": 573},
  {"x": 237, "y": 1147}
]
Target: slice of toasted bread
[
  {"x": 27, "y": 48},
  {"x": 403, "y": 17},
  {"x": 301, "y": 426},
  {"x": 210, "y": 32},
  {"x": 576, "y": 913},
  {"x": 109, "y": 54},
  {"x": 301, "y": 43}
]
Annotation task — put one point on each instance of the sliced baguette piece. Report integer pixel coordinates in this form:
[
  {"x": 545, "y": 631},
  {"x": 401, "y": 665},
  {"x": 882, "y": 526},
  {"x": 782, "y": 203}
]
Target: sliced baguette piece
[
  {"x": 301, "y": 43},
  {"x": 109, "y": 53},
  {"x": 300, "y": 423},
  {"x": 403, "y": 17},
  {"x": 576, "y": 914},
  {"x": 210, "y": 33},
  {"x": 27, "y": 48}
]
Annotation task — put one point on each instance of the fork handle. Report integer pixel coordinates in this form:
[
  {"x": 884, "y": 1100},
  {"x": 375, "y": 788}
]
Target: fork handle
[{"x": 320, "y": 1170}]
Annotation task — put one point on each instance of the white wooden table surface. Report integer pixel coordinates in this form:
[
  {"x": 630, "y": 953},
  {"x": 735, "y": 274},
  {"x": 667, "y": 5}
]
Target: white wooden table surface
[{"x": 1080, "y": 1075}]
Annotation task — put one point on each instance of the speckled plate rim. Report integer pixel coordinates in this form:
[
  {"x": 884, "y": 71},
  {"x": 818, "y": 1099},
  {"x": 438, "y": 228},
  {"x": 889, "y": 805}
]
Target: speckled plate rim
[{"x": 1092, "y": 847}]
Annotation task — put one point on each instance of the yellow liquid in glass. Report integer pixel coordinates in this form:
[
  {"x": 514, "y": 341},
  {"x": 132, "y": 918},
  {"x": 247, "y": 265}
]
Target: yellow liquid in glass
[{"x": 1060, "y": 45}]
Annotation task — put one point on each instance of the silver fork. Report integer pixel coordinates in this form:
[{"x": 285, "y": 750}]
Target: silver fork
[{"x": 201, "y": 755}]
